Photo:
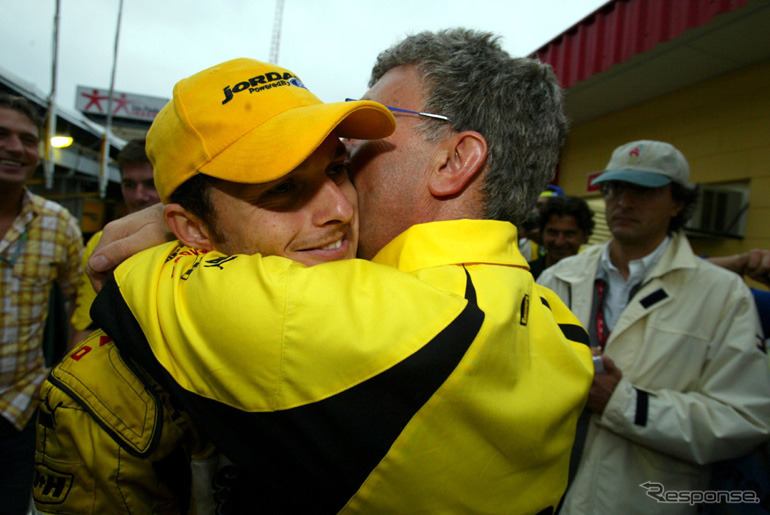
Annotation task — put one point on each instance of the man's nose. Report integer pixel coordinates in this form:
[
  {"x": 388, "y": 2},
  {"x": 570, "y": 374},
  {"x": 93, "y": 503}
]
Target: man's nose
[
  {"x": 13, "y": 144},
  {"x": 144, "y": 192},
  {"x": 624, "y": 197},
  {"x": 333, "y": 204}
]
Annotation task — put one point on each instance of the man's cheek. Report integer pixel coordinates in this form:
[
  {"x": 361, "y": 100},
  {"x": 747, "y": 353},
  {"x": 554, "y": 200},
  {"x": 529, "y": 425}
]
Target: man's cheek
[{"x": 365, "y": 152}]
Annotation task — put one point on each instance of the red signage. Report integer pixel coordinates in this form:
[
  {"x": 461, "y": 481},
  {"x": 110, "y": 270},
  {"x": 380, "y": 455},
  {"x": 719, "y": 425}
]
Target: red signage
[
  {"x": 124, "y": 105},
  {"x": 591, "y": 177}
]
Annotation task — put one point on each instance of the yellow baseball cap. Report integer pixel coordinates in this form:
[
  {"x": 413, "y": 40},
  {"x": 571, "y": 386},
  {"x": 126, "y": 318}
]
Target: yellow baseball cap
[{"x": 250, "y": 122}]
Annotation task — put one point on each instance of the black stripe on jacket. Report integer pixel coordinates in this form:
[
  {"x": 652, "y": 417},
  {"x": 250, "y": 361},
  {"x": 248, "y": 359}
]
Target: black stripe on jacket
[{"x": 315, "y": 457}]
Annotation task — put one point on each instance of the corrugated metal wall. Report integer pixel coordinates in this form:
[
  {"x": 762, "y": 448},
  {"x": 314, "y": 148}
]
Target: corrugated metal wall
[{"x": 623, "y": 28}]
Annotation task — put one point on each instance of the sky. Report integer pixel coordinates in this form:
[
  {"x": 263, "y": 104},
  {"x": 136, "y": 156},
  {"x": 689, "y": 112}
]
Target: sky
[{"x": 330, "y": 44}]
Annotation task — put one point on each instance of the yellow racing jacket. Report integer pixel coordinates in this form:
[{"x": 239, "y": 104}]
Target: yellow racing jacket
[
  {"x": 438, "y": 378},
  {"x": 81, "y": 318},
  {"x": 108, "y": 439}
]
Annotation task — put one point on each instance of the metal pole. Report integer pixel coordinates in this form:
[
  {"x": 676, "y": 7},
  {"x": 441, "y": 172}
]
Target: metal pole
[
  {"x": 104, "y": 174},
  {"x": 275, "y": 44},
  {"x": 50, "y": 131}
]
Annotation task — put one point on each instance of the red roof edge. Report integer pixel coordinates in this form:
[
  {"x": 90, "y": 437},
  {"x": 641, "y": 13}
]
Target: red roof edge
[{"x": 621, "y": 29}]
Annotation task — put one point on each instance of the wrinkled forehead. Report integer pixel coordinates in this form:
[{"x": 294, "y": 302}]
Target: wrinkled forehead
[{"x": 398, "y": 87}]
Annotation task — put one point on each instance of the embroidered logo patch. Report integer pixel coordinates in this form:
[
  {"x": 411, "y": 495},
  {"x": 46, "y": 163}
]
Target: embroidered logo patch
[
  {"x": 51, "y": 486},
  {"x": 261, "y": 83}
]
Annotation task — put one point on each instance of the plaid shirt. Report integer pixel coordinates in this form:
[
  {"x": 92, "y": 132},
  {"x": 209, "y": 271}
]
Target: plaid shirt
[{"x": 43, "y": 245}]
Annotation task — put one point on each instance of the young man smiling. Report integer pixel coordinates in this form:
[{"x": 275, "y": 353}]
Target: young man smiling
[
  {"x": 265, "y": 175},
  {"x": 40, "y": 243},
  {"x": 565, "y": 225}
]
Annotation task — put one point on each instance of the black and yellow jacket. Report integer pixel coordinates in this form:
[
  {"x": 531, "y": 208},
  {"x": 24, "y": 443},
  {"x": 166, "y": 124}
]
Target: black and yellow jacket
[{"x": 437, "y": 378}]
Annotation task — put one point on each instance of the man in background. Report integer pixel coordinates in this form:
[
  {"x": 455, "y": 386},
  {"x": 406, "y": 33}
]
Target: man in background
[
  {"x": 566, "y": 224},
  {"x": 138, "y": 189},
  {"x": 41, "y": 245},
  {"x": 530, "y": 238},
  {"x": 685, "y": 379}
]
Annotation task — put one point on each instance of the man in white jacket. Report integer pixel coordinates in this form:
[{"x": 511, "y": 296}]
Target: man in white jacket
[{"x": 685, "y": 379}]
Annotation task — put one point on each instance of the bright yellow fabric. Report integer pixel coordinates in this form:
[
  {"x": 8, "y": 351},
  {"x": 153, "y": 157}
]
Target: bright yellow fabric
[
  {"x": 263, "y": 333},
  {"x": 80, "y": 467},
  {"x": 250, "y": 350},
  {"x": 81, "y": 317}
]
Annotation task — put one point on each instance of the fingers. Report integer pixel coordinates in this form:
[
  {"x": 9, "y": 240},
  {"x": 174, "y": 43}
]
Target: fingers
[
  {"x": 125, "y": 237},
  {"x": 106, "y": 259},
  {"x": 97, "y": 278},
  {"x": 758, "y": 265},
  {"x": 610, "y": 367}
]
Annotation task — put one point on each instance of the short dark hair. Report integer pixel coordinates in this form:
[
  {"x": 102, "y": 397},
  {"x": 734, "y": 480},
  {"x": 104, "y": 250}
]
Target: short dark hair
[
  {"x": 23, "y": 106},
  {"x": 133, "y": 153},
  {"x": 568, "y": 206},
  {"x": 688, "y": 196},
  {"x": 515, "y": 103},
  {"x": 194, "y": 195}
]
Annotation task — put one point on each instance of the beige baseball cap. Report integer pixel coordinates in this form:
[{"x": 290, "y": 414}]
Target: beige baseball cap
[{"x": 647, "y": 163}]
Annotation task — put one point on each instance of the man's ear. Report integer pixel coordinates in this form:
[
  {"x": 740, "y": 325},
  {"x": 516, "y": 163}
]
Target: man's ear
[
  {"x": 187, "y": 227},
  {"x": 460, "y": 160}
]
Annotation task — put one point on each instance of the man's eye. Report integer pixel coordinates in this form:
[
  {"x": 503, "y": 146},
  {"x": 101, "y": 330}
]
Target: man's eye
[
  {"x": 284, "y": 188},
  {"x": 338, "y": 172}
]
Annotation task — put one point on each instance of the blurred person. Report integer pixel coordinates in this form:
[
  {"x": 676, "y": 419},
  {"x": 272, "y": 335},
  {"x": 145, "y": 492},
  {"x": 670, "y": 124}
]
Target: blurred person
[
  {"x": 379, "y": 409},
  {"x": 684, "y": 379},
  {"x": 41, "y": 245},
  {"x": 530, "y": 238},
  {"x": 138, "y": 189},
  {"x": 136, "y": 181},
  {"x": 566, "y": 224}
]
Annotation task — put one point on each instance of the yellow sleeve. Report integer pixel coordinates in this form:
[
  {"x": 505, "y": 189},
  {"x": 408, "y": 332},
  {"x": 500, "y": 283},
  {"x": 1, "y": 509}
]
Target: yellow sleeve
[
  {"x": 81, "y": 318},
  {"x": 101, "y": 435},
  {"x": 198, "y": 337}
]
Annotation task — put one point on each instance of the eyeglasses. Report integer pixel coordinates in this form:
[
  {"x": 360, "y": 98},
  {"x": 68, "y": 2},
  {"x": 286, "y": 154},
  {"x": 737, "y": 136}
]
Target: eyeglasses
[
  {"x": 399, "y": 110},
  {"x": 618, "y": 188}
]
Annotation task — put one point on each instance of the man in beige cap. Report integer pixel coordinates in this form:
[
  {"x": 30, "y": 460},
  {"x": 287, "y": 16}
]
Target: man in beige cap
[{"x": 685, "y": 380}]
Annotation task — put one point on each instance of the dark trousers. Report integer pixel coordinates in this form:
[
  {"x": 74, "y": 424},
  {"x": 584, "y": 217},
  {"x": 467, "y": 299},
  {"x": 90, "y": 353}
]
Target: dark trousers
[{"x": 17, "y": 467}]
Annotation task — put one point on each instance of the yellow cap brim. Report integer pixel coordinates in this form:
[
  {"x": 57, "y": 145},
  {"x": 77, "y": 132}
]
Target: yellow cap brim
[{"x": 281, "y": 144}]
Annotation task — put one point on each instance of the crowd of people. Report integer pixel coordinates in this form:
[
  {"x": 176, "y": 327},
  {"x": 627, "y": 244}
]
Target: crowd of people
[{"x": 321, "y": 307}]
